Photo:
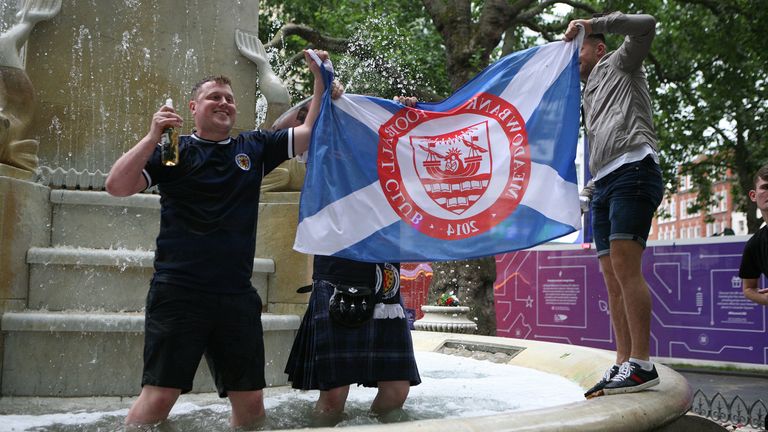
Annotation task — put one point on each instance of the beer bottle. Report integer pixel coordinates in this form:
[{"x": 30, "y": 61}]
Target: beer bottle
[{"x": 169, "y": 142}]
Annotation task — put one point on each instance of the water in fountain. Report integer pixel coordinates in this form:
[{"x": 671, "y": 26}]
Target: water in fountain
[
  {"x": 119, "y": 61},
  {"x": 452, "y": 386}
]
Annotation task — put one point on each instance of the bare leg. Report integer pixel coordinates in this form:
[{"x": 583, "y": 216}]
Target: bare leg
[
  {"x": 626, "y": 257},
  {"x": 329, "y": 408},
  {"x": 618, "y": 313},
  {"x": 391, "y": 396},
  {"x": 247, "y": 408},
  {"x": 152, "y": 406}
]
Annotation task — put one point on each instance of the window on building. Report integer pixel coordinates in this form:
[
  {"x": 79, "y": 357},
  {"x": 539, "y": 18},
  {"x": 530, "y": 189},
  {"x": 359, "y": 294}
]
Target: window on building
[
  {"x": 691, "y": 202},
  {"x": 685, "y": 183},
  {"x": 723, "y": 201}
]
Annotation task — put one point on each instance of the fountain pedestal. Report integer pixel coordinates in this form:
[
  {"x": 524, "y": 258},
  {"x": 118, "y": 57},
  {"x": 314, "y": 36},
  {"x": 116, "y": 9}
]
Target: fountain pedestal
[
  {"x": 25, "y": 222},
  {"x": 451, "y": 319}
]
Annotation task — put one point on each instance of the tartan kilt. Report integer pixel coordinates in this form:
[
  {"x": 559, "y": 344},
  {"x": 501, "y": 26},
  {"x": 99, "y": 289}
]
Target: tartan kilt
[{"x": 326, "y": 355}]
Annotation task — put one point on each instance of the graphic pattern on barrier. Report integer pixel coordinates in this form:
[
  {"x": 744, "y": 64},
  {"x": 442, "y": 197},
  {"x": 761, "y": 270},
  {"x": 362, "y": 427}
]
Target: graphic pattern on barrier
[
  {"x": 415, "y": 279},
  {"x": 699, "y": 311}
]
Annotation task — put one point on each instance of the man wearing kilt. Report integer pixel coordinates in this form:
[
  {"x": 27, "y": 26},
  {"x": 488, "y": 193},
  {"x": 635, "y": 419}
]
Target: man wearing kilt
[{"x": 332, "y": 351}]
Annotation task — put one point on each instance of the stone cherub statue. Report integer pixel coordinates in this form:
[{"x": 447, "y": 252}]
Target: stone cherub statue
[
  {"x": 289, "y": 176},
  {"x": 16, "y": 92}
]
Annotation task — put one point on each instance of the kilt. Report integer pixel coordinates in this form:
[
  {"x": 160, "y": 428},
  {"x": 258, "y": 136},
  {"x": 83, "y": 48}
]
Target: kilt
[{"x": 326, "y": 355}]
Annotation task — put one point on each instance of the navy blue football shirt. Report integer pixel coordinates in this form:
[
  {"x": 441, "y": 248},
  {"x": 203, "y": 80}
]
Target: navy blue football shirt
[{"x": 209, "y": 208}]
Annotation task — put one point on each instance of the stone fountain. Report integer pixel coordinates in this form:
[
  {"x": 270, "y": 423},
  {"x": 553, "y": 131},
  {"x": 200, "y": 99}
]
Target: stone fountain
[{"x": 78, "y": 81}]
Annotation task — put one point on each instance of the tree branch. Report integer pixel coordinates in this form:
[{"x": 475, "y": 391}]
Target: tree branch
[
  {"x": 550, "y": 32},
  {"x": 539, "y": 8},
  {"x": 314, "y": 37},
  {"x": 494, "y": 20}
]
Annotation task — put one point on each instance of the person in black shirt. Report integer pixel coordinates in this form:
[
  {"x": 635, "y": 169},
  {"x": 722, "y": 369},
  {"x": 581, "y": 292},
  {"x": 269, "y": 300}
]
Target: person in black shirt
[
  {"x": 201, "y": 301},
  {"x": 754, "y": 260}
]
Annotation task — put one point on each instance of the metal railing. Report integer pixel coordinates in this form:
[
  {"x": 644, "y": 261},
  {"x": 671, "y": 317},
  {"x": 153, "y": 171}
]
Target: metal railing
[{"x": 736, "y": 412}]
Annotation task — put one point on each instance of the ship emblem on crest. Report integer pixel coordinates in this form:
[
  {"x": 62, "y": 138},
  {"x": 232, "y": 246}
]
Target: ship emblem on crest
[{"x": 454, "y": 167}]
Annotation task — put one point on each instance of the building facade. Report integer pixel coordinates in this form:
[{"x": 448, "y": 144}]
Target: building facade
[{"x": 675, "y": 220}]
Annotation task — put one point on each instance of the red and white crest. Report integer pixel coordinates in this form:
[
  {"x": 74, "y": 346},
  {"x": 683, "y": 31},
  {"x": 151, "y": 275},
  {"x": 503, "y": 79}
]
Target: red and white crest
[
  {"x": 456, "y": 174},
  {"x": 454, "y": 167}
]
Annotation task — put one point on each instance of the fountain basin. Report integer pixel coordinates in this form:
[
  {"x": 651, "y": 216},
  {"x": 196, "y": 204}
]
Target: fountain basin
[{"x": 647, "y": 410}]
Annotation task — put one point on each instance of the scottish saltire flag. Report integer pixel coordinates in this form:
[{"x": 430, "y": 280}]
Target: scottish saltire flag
[{"x": 486, "y": 171}]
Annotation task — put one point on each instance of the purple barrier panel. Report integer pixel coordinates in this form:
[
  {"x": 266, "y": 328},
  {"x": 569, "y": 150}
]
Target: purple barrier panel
[{"x": 557, "y": 293}]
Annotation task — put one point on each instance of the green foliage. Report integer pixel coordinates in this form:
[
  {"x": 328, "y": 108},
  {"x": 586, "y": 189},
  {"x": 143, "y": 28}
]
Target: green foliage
[
  {"x": 448, "y": 299},
  {"x": 706, "y": 71},
  {"x": 708, "y": 77},
  {"x": 392, "y": 46}
]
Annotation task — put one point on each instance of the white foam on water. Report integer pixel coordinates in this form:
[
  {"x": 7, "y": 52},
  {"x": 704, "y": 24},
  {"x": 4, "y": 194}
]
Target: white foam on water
[
  {"x": 27, "y": 422},
  {"x": 452, "y": 386}
]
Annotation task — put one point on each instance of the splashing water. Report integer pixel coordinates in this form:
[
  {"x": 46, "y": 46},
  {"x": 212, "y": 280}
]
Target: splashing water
[{"x": 451, "y": 386}]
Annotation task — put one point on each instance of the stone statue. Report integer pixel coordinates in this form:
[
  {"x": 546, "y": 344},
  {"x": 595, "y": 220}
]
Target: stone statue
[
  {"x": 16, "y": 92},
  {"x": 289, "y": 176},
  {"x": 273, "y": 89}
]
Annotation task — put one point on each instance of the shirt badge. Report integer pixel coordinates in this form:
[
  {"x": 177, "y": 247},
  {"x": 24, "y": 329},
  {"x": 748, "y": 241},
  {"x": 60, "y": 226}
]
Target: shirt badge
[{"x": 243, "y": 161}]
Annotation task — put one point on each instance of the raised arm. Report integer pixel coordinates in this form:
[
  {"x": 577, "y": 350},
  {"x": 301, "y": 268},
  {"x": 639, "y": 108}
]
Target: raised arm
[
  {"x": 303, "y": 133},
  {"x": 126, "y": 178},
  {"x": 639, "y": 31}
]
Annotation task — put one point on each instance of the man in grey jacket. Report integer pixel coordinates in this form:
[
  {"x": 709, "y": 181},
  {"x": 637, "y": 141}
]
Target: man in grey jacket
[{"x": 626, "y": 186}]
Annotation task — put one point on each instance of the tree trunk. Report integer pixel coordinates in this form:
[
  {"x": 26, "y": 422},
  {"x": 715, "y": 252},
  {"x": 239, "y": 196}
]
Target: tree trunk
[
  {"x": 472, "y": 282},
  {"x": 468, "y": 46},
  {"x": 745, "y": 168}
]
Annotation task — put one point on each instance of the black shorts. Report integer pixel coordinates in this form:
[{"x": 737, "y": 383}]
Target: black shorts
[{"x": 182, "y": 324}]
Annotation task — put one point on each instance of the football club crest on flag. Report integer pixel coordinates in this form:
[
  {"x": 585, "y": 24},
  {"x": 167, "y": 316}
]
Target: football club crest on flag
[
  {"x": 489, "y": 170},
  {"x": 462, "y": 194}
]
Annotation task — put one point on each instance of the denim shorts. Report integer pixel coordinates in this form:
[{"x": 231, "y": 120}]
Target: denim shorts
[{"x": 624, "y": 203}]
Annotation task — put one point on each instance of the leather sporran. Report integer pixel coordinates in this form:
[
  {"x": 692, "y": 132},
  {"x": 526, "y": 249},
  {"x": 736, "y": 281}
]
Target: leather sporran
[{"x": 351, "y": 305}]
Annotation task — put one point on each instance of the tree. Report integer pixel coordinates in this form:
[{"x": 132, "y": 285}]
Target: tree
[
  {"x": 472, "y": 281},
  {"x": 384, "y": 48},
  {"x": 473, "y": 30},
  {"x": 428, "y": 49}
]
